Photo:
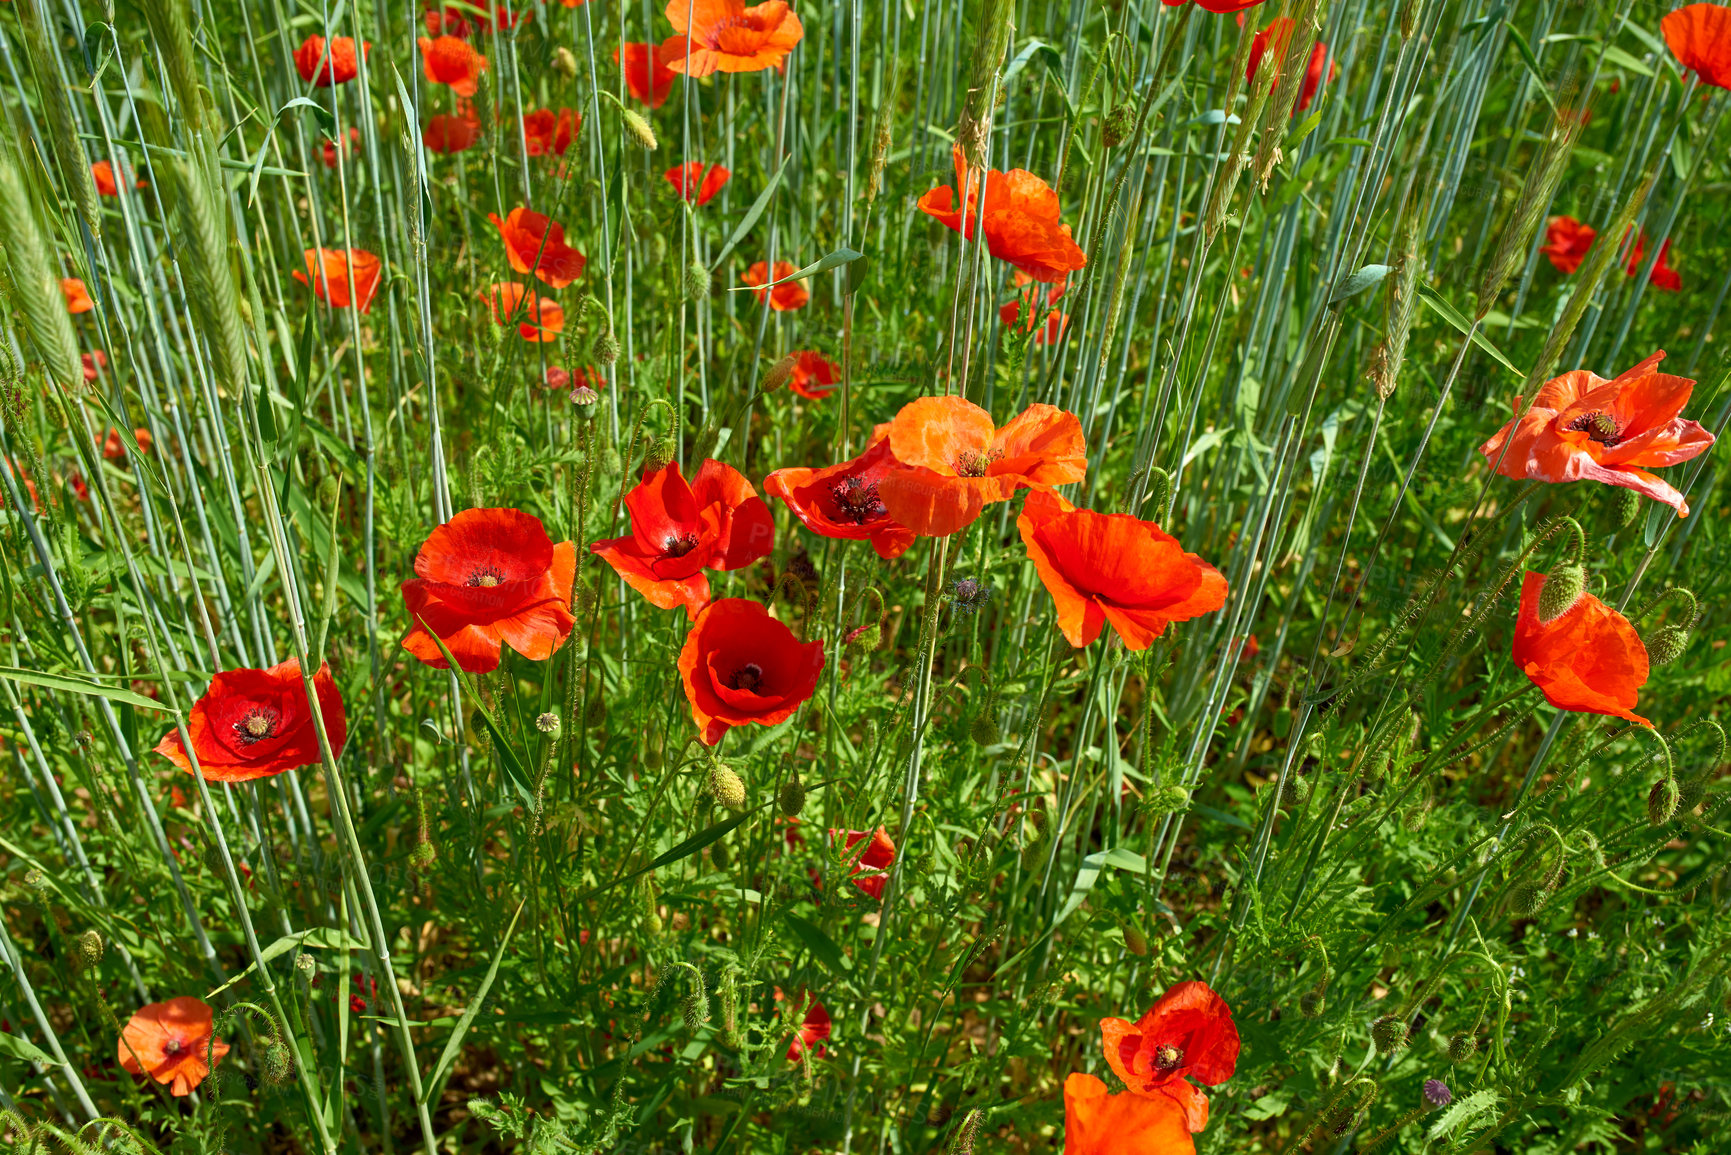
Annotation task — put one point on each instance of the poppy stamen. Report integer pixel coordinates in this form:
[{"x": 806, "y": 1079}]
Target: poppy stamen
[
  {"x": 486, "y": 577},
  {"x": 748, "y": 677},
  {"x": 974, "y": 463},
  {"x": 1167, "y": 1058},
  {"x": 857, "y": 500},
  {"x": 259, "y": 723},
  {"x": 1599, "y": 427},
  {"x": 173, "y": 1047},
  {"x": 679, "y": 546}
]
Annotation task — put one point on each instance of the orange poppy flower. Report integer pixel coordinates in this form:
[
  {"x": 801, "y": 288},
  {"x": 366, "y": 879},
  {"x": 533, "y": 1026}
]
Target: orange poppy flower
[
  {"x": 726, "y": 36},
  {"x": 740, "y": 666},
  {"x": 257, "y": 724},
  {"x": 1583, "y": 427},
  {"x": 487, "y": 578},
  {"x": 1020, "y": 219},
  {"x": 543, "y": 319},
  {"x": 841, "y": 501},
  {"x": 787, "y": 295},
  {"x": 1588, "y": 659},
  {"x": 328, "y": 272},
  {"x": 871, "y": 869},
  {"x": 448, "y": 134},
  {"x": 1699, "y": 36},
  {"x": 1274, "y": 39},
  {"x": 679, "y": 529},
  {"x": 328, "y": 149},
  {"x": 1111, "y": 567},
  {"x": 647, "y": 76},
  {"x": 172, "y": 1043},
  {"x": 691, "y": 179},
  {"x": 1663, "y": 275},
  {"x": 545, "y": 133},
  {"x": 535, "y": 243},
  {"x": 1097, "y": 1122},
  {"x": 1187, "y": 1034},
  {"x": 957, "y": 462},
  {"x": 339, "y": 65},
  {"x": 1566, "y": 243},
  {"x": 813, "y": 375},
  {"x": 114, "y": 450},
  {"x": 77, "y": 296},
  {"x": 452, "y": 60},
  {"x": 94, "y": 363},
  {"x": 102, "y": 172}
]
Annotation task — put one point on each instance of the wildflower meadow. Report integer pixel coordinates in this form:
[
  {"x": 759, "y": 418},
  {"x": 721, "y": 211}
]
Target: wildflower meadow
[{"x": 864, "y": 578}]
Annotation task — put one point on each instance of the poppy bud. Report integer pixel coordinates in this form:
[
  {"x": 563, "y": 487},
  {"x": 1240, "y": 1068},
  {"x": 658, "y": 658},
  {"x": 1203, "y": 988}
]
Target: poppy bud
[
  {"x": 595, "y": 713},
  {"x": 564, "y": 62},
  {"x": 984, "y": 729},
  {"x": 1562, "y": 589},
  {"x": 697, "y": 281},
  {"x": 1662, "y": 801},
  {"x": 719, "y": 854},
  {"x": 1167, "y": 800},
  {"x": 1117, "y": 125},
  {"x": 639, "y": 130},
  {"x": 1135, "y": 941},
  {"x": 278, "y": 1063},
  {"x": 1462, "y": 1047},
  {"x": 694, "y": 1007},
  {"x": 1529, "y": 898},
  {"x": 659, "y": 453},
  {"x": 725, "y": 786},
  {"x": 778, "y": 374},
  {"x": 1628, "y": 504},
  {"x": 1667, "y": 645},
  {"x": 792, "y": 797},
  {"x": 548, "y": 723},
  {"x": 423, "y": 855},
  {"x": 864, "y": 639},
  {"x": 605, "y": 347},
  {"x": 1389, "y": 1034},
  {"x": 1313, "y": 1002},
  {"x": 89, "y": 946}
]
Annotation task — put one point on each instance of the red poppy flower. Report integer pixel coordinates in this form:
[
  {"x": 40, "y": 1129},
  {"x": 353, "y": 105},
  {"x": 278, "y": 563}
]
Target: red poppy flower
[
  {"x": 813, "y": 376},
  {"x": 841, "y": 501},
  {"x": 94, "y": 362},
  {"x": 1188, "y": 1034},
  {"x": 1021, "y": 219},
  {"x": 691, "y": 179},
  {"x": 114, "y": 450},
  {"x": 542, "y": 319},
  {"x": 871, "y": 870},
  {"x": 452, "y": 60},
  {"x": 1583, "y": 427},
  {"x": 958, "y": 462},
  {"x": 679, "y": 529},
  {"x": 102, "y": 172},
  {"x": 328, "y": 150},
  {"x": 740, "y": 666},
  {"x": 1699, "y": 36},
  {"x": 1588, "y": 659},
  {"x": 814, "y": 1028},
  {"x": 486, "y": 578},
  {"x": 448, "y": 134},
  {"x": 647, "y": 76},
  {"x": 455, "y": 21},
  {"x": 1111, "y": 567},
  {"x": 726, "y": 36},
  {"x": 1274, "y": 39},
  {"x": 172, "y": 1043},
  {"x": 1566, "y": 243},
  {"x": 322, "y": 69},
  {"x": 534, "y": 242},
  {"x": 1663, "y": 275},
  {"x": 77, "y": 296},
  {"x": 1097, "y": 1122},
  {"x": 546, "y": 133},
  {"x": 442, "y": 21},
  {"x": 1218, "y": 7},
  {"x": 328, "y": 272},
  {"x": 256, "y": 723},
  {"x": 787, "y": 295}
]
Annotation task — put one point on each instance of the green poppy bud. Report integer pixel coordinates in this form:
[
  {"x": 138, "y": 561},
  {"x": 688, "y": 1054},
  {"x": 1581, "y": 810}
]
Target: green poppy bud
[
  {"x": 1667, "y": 645},
  {"x": 984, "y": 728},
  {"x": 1662, "y": 801},
  {"x": 605, "y": 347},
  {"x": 791, "y": 799},
  {"x": 1627, "y": 505},
  {"x": 697, "y": 281},
  {"x": 1562, "y": 589},
  {"x": 1462, "y": 1047},
  {"x": 1117, "y": 125},
  {"x": 1313, "y": 1003},
  {"x": 725, "y": 786},
  {"x": 1389, "y": 1034},
  {"x": 639, "y": 129}
]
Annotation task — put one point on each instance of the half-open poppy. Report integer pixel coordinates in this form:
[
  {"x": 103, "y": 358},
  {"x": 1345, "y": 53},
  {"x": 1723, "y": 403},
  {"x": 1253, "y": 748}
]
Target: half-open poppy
[
  {"x": 328, "y": 272},
  {"x": 452, "y": 60},
  {"x": 1020, "y": 219},
  {"x": 1111, "y": 567},
  {"x": 77, "y": 296},
  {"x": 447, "y": 133},
  {"x": 841, "y": 501},
  {"x": 538, "y": 318},
  {"x": 1587, "y": 659},
  {"x": 958, "y": 462},
  {"x": 171, "y": 1042},
  {"x": 647, "y": 77},
  {"x": 740, "y": 666},
  {"x": 321, "y": 68},
  {"x": 1566, "y": 243},
  {"x": 1699, "y": 36},
  {"x": 726, "y": 36},
  {"x": 1097, "y": 1122},
  {"x": 1582, "y": 427},
  {"x": 1188, "y": 1034},
  {"x": 871, "y": 867},
  {"x": 679, "y": 529},
  {"x": 546, "y": 133},
  {"x": 535, "y": 242},
  {"x": 487, "y": 578},
  {"x": 256, "y": 723},
  {"x": 696, "y": 179}
]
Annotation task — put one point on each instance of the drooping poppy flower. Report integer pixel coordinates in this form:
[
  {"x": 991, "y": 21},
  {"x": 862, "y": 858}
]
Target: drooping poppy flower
[
  {"x": 726, "y": 36},
  {"x": 102, "y": 172},
  {"x": 812, "y": 375},
  {"x": 94, "y": 363},
  {"x": 1112, "y": 567},
  {"x": 957, "y": 462},
  {"x": 328, "y": 272},
  {"x": 447, "y": 134},
  {"x": 841, "y": 501},
  {"x": 538, "y": 318},
  {"x": 1097, "y": 1122},
  {"x": 452, "y": 60},
  {"x": 328, "y": 149},
  {"x": 1188, "y": 1034},
  {"x": 546, "y": 133},
  {"x": 256, "y": 723},
  {"x": 787, "y": 295},
  {"x": 741, "y": 666},
  {"x": 694, "y": 178},
  {"x": 171, "y": 1042},
  {"x": 1218, "y": 7},
  {"x": 339, "y": 65},
  {"x": 486, "y": 578},
  {"x": 113, "y": 448},
  {"x": 1021, "y": 219},
  {"x": 647, "y": 76},
  {"x": 1588, "y": 659},
  {"x": 1582, "y": 427},
  {"x": 1274, "y": 39},
  {"x": 77, "y": 296},
  {"x": 1663, "y": 275},
  {"x": 679, "y": 529},
  {"x": 535, "y": 243},
  {"x": 1566, "y": 243},
  {"x": 871, "y": 870},
  {"x": 1699, "y": 36}
]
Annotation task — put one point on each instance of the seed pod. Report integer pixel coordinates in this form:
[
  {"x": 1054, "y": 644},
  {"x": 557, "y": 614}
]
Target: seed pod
[
  {"x": 1667, "y": 645},
  {"x": 725, "y": 786},
  {"x": 305, "y": 965},
  {"x": 89, "y": 947},
  {"x": 791, "y": 799},
  {"x": 697, "y": 281},
  {"x": 639, "y": 130},
  {"x": 548, "y": 723},
  {"x": 1389, "y": 1033},
  {"x": 1462, "y": 1047},
  {"x": 1662, "y": 801},
  {"x": 1562, "y": 589},
  {"x": 278, "y": 1063}
]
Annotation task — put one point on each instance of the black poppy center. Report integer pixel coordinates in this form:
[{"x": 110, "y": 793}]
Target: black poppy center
[
  {"x": 1598, "y": 426},
  {"x": 486, "y": 577},
  {"x": 679, "y": 546},
  {"x": 257, "y": 724},
  {"x": 1167, "y": 1058},
  {"x": 857, "y": 500},
  {"x": 974, "y": 462},
  {"x": 748, "y": 677}
]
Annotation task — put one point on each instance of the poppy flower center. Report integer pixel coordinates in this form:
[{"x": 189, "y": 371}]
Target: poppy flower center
[
  {"x": 173, "y": 1047},
  {"x": 1167, "y": 1058},
  {"x": 257, "y": 724},
  {"x": 974, "y": 463},
  {"x": 679, "y": 546},
  {"x": 748, "y": 677},
  {"x": 486, "y": 577},
  {"x": 1600, "y": 427},
  {"x": 856, "y": 500}
]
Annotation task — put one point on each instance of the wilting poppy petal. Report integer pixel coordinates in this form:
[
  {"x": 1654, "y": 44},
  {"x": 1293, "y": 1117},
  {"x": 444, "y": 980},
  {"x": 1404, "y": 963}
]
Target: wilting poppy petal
[
  {"x": 1699, "y": 36},
  {"x": 256, "y": 723},
  {"x": 329, "y": 270},
  {"x": 740, "y": 666},
  {"x": 726, "y": 36},
  {"x": 171, "y": 1042},
  {"x": 533, "y": 241},
  {"x": 1588, "y": 659},
  {"x": 1097, "y": 1122},
  {"x": 647, "y": 76},
  {"x": 322, "y": 69}
]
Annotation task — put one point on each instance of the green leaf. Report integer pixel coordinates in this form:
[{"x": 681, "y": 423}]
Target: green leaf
[
  {"x": 751, "y": 215},
  {"x": 822, "y": 947},
  {"x": 455, "y": 1043},
  {"x": 689, "y": 847},
  {"x": 80, "y": 686},
  {"x": 1616, "y": 56},
  {"x": 1452, "y": 315},
  {"x": 1368, "y": 276},
  {"x": 833, "y": 260},
  {"x": 19, "y": 1049},
  {"x": 1532, "y": 63},
  {"x": 1462, "y": 1112}
]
